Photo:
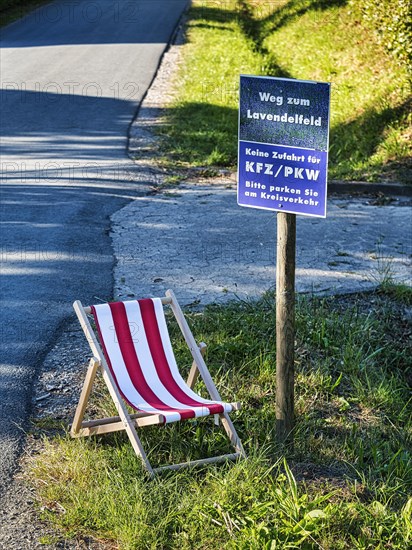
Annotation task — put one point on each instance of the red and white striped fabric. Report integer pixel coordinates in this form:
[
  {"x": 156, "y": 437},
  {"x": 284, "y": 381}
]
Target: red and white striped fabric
[{"x": 138, "y": 351}]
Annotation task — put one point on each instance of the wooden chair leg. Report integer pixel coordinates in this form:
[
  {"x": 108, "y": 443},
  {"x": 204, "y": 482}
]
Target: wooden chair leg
[
  {"x": 124, "y": 418},
  {"x": 232, "y": 434},
  {"x": 85, "y": 394},
  {"x": 194, "y": 371},
  {"x": 111, "y": 385}
]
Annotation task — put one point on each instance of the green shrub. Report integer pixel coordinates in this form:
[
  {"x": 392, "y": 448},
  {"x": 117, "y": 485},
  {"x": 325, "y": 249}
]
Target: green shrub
[{"x": 392, "y": 21}]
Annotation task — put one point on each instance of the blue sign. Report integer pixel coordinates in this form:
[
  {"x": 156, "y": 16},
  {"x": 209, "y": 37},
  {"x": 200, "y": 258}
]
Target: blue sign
[{"x": 283, "y": 145}]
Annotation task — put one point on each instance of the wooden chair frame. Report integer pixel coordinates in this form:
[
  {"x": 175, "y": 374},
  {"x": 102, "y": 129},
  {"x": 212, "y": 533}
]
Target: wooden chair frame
[{"x": 130, "y": 422}]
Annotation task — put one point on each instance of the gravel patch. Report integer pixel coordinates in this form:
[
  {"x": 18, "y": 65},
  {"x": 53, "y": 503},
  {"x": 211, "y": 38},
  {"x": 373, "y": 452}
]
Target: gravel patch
[{"x": 55, "y": 395}]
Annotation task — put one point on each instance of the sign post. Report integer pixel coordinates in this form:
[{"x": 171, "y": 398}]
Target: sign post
[
  {"x": 283, "y": 156},
  {"x": 285, "y": 324}
]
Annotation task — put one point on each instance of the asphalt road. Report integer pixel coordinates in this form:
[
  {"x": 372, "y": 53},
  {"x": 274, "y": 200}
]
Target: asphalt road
[{"x": 73, "y": 74}]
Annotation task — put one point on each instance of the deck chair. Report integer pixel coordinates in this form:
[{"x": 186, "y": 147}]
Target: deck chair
[{"x": 139, "y": 368}]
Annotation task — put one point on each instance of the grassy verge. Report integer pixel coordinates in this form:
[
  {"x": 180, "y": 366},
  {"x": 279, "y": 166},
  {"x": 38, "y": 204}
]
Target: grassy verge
[
  {"x": 346, "y": 484},
  {"x": 10, "y": 10},
  {"x": 371, "y": 120}
]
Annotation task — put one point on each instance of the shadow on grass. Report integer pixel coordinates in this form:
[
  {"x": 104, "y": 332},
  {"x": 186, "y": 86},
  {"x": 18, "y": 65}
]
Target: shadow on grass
[
  {"x": 368, "y": 132},
  {"x": 205, "y": 134},
  {"x": 243, "y": 15},
  {"x": 201, "y": 134},
  {"x": 290, "y": 11},
  {"x": 258, "y": 21}
]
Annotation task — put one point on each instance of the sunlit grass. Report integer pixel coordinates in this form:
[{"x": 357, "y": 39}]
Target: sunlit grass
[
  {"x": 346, "y": 483},
  {"x": 370, "y": 103},
  {"x": 327, "y": 41}
]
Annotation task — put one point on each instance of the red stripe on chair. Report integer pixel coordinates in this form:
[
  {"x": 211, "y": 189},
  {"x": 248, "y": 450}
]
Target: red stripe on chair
[
  {"x": 125, "y": 341},
  {"x": 107, "y": 356},
  {"x": 160, "y": 361}
]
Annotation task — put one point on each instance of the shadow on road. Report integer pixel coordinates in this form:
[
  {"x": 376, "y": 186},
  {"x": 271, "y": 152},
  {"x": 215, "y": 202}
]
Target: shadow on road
[{"x": 75, "y": 22}]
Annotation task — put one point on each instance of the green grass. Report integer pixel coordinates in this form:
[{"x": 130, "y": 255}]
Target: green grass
[
  {"x": 306, "y": 39},
  {"x": 10, "y": 10},
  {"x": 345, "y": 484}
]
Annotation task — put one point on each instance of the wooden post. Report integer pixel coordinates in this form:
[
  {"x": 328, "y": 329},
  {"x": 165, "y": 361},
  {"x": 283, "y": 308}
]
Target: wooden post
[{"x": 285, "y": 324}]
